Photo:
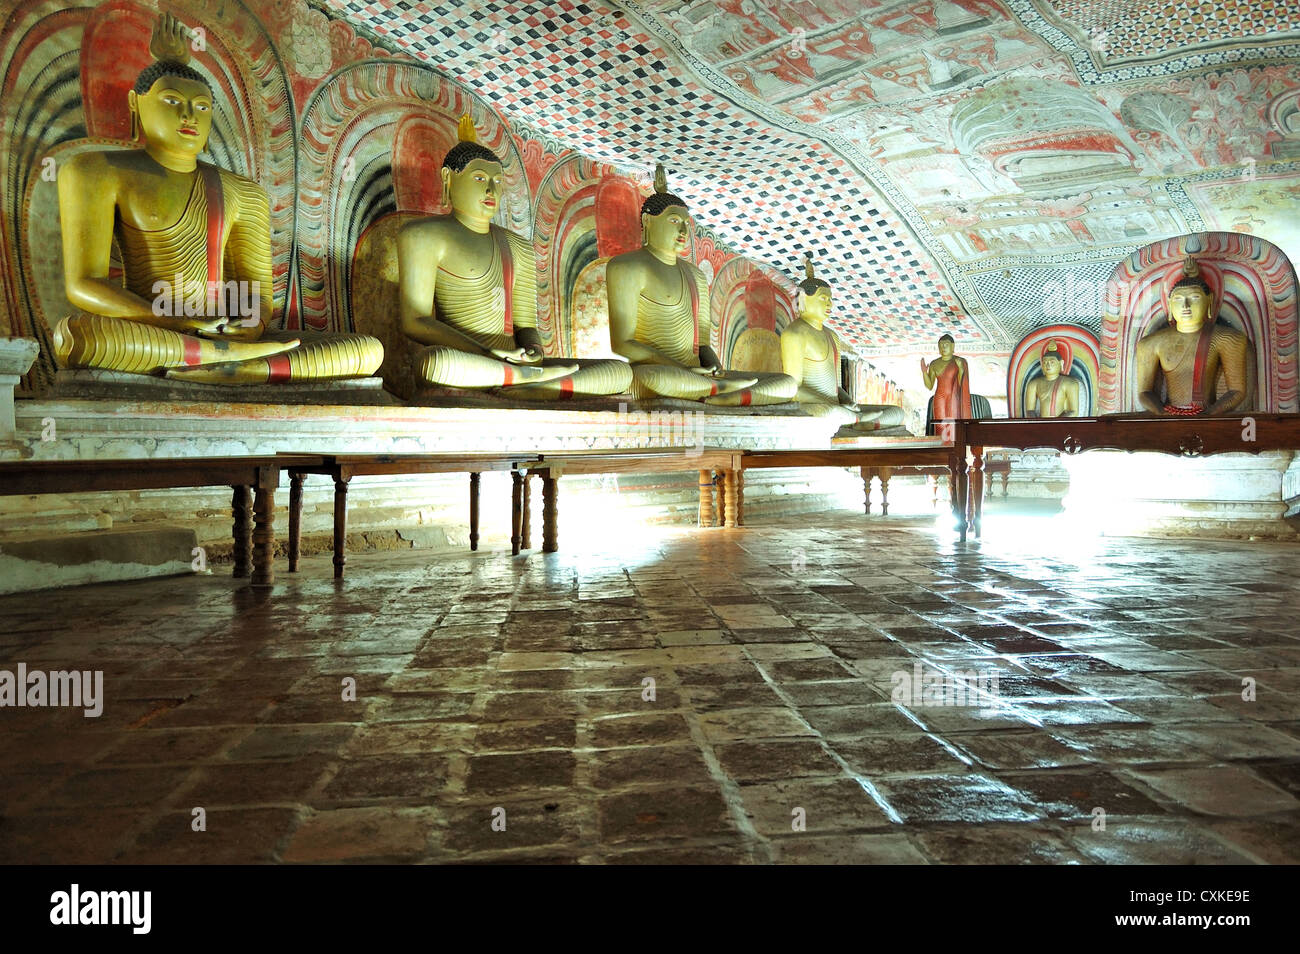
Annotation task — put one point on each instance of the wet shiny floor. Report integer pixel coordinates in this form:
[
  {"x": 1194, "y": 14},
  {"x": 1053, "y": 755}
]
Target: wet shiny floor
[{"x": 825, "y": 688}]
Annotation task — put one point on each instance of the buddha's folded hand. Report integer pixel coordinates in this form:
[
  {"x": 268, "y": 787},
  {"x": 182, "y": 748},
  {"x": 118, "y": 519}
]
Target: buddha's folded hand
[{"x": 514, "y": 355}]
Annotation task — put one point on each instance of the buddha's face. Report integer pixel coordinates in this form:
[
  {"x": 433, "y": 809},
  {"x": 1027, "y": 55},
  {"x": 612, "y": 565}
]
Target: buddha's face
[
  {"x": 475, "y": 190},
  {"x": 946, "y": 347},
  {"x": 174, "y": 115},
  {"x": 669, "y": 231},
  {"x": 817, "y": 306},
  {"x": 1051, "y": 367},
  {"x": 1189, "y": 307}
]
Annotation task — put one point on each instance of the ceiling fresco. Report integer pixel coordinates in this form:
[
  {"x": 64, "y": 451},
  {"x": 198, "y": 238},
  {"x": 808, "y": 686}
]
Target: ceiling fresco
[{"x": 952, "y": 163}]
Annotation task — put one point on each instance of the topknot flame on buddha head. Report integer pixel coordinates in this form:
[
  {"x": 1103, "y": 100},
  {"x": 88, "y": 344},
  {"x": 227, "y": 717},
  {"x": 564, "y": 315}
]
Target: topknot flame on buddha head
[
  {"x": 171, "y": 52},
  {"x": 811, "y": 283},
  {"x": 661, "y": 199},
  {"x": 468, "y": 148}
]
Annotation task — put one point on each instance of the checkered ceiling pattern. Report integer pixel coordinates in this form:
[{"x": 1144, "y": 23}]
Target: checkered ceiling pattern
[{"x": 593, "y": 80}]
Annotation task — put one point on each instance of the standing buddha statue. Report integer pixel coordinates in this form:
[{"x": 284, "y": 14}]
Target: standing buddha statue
[
  {"x": 469, "y": 292},
  {"x": 808, "y": 356},
  {"x": 657, "y": 300},
  {"x": 189, "y": 233},
  {"x": 1190, "y": 352},
  {"x": 949, "y": 375}
]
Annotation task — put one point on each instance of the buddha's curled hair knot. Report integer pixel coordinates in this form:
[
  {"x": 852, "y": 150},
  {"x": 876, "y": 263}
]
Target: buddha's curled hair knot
[
  {"x": 169, "y": 46},
  {"x": 811, "y": 283},
  {"x": 661, "y": 199},
  {"x": 468, "y": 148}
]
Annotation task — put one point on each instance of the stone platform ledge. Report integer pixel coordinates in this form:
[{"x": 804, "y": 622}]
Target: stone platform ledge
[
  {"x": 115, "y": 386},
  {"x": 1223, "y": 496},
  {"x": 103, "y": 430}
]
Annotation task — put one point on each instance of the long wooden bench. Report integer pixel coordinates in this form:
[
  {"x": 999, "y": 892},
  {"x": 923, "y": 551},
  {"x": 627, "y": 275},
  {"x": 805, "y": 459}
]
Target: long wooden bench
[
  {"x": 931, "y": 473},
  {"x": 1181, "y": 436},
  {"x": 707, "y": 461},
  {"x": 870, "y": 460},
  {"x": 343, "y": 468},
  {"x": 253, "y": 526}
]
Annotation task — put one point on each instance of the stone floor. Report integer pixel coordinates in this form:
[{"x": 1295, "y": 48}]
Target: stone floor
[{"x": 494, "y": 694}]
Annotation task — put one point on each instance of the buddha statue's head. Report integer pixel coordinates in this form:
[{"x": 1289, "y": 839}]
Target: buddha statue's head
[
  {"x": 665, "y": 222},
  {"x": 814, "y": 295},
  {"x": 171, "y": 102},
  {"x": 471, "y": 178},
  {"x": 1052, "y": 361},
  {"x": 947, "y": 346},
  {"x": 1190, "y": 302}
]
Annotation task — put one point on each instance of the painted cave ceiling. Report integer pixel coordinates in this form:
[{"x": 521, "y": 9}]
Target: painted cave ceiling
[
  {"x": 954, "y": 164},
  {"x": 972, "y": 164}
]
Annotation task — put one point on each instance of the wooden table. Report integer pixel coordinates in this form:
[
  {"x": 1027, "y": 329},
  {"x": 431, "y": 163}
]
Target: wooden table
[
  {"x": 871, "y": 460},
  {"x": 1251, "y": 433},
  {"x": 252, "y": 528},
  {"x": 711, "y": 463},
  {"x": 343, "y": 468},
  {"x": 931, "y": 473}
]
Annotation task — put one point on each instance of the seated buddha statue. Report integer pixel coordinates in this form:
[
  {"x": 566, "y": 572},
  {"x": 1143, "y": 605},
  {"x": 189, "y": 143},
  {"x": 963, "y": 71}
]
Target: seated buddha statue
[
  {"x": 808, "y": 356},
  {"x": 1052, "y": 394},
  {"x": 469, "y": 292},
  {"x": 657, "y": 301},
  {"x": 1190, "y": 352},
  {"x": 949, "y": 375},
  {"x": 188, "y": 233}
]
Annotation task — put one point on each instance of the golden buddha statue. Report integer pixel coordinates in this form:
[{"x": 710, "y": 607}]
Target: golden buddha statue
[
  {"x": 1052, "y": 394},
  {"x": 190, "y": 235},
  {"x": 657, "y": 301},
  {"x": 1190, "y": 352},
  {"x": 469, "y": 292},
  {"x": 809, "y": 357}
]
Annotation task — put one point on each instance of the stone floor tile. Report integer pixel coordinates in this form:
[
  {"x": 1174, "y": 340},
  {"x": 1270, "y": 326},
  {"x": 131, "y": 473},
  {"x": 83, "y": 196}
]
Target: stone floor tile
[
  {"x": 1232, "y": 790},
  {"x": 996, "y": 844},
  {"x": 351, "y": 834},
  {"x": 1144, "y": 842}
]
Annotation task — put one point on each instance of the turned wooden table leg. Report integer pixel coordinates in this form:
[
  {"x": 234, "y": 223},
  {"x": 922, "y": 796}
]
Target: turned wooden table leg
[
  {"x": 957, "y": 494},
  {"x": 241, "y": 509},
  {"x": 526, "y": 514},
  {"x": 550, "y": 512},
  {"x": 264, "y": 526},
  {"x": 740, "y": 497},
  {"x": 473, "y": 510},
  {"x": 516, "y": 506},
  {"x": 885, "y": 473},
  {"x": 706, "y": 498},
  {"x": 340, "y": 524},
  {"x": 295, "y": 519},
  {"x": 866, "y": 473},
  {"x": 729, "y": 498},
  {"x": 1006, "y": 475},
  {"x": 933, "y": 483},
  {"x": 976, "y": 489}
]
